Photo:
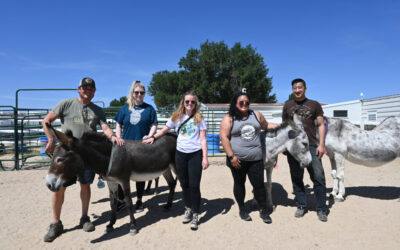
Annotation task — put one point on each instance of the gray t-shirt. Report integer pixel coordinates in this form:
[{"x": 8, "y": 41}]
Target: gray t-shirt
[
  {"x": 189, "y": 134},
  {"x": 245, "y": 139},
  {"x": 79, "y": 118}
]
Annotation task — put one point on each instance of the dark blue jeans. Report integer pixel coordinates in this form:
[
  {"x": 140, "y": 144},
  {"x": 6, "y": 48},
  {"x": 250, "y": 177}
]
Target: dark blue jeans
[
  {"x": 189, "y": 168},
  {"x": 317, "y": 175},
  {"x": 255, "y": 171}
]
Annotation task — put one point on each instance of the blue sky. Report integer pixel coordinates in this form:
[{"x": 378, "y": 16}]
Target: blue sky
[{"x": 341, "y": 48}]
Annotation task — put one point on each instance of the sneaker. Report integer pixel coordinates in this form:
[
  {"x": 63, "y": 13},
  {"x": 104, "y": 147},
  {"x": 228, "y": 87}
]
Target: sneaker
[
  {"x": 188, "y": 216},
  {"x": 265, "y": 217},
  {"x": 244, "y": 215},
  {"x": 299, "y": 212},
  {"x": 86, "y": 224},
  {"x": 322, "y": 216},
  {"x": 195, "y": 222},
  {"x": 55, "y": 230}
]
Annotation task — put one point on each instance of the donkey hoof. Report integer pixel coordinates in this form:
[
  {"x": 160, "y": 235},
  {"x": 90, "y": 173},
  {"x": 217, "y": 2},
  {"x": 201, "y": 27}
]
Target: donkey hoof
[
  {"x": 133, "y": 232},
  {"x": 109, "y": 229},
  {"x": 339, "y": 199}
]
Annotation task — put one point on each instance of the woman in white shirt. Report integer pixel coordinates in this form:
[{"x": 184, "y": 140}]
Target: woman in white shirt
[{"x": 191, "y": 155}]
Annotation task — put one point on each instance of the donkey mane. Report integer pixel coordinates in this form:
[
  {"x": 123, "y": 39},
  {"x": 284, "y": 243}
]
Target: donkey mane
[
  {"x": 93, "y": 136},
  {"x": 272, "y": 132}
]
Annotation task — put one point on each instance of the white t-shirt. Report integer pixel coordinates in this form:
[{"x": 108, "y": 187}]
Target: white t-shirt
[{"x": 189, "y": 134}]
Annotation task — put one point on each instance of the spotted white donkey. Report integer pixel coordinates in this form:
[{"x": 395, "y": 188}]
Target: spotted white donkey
[{"x": 371, "y": 148}]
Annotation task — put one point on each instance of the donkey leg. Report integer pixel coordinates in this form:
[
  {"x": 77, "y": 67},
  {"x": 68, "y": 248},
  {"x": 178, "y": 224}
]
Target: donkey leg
[
  {"x": 147, "y": 190},
  {"x": 128, "y": 200},
  {"x": 171, "y": 184},
  {"x": 335, "y": 187},
  {"x": 270, "y": 205},
  {"x": 340, "y": 160},
  {"x": 156, "y": 187},
  {"x": 113, "y": 190}
]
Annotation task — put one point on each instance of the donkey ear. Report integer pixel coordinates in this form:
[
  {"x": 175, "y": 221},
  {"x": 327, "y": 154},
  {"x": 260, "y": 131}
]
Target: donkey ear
[
  {"x": 292, "y": 134},
  {"x": 61, "y": 137},
  {"x": 296, "y": 122},
  {"x": 296, "y": 119}
]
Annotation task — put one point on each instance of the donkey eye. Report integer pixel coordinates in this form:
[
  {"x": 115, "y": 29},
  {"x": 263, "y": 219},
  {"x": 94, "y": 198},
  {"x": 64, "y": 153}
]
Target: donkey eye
[{"x": 59, "y": 160}]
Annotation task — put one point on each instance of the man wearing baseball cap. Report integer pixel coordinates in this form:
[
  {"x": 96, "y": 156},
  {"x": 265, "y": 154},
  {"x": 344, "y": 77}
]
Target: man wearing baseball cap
[{"x": 79, "y": 115}]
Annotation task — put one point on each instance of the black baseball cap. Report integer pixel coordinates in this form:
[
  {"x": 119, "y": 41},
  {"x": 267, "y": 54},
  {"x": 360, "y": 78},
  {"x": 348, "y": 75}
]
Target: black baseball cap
[{"x": 87, "y": 81}]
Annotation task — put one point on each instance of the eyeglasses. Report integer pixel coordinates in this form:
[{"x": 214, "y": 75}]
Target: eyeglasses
[
  {"x": 244, "y": 104},
  {"x": 139, "y": 92},
  {"x": 192, "y": 102}
]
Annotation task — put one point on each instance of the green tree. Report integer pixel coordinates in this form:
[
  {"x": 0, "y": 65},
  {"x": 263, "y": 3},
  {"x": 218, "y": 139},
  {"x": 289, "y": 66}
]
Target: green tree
[
  {"x": 118, "y": 103},
  {"x": 215, "y": 73},
  {"x": 291, "y": 97}
]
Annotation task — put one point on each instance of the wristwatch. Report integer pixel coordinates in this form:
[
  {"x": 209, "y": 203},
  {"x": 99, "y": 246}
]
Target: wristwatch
[{"x": 231, "y": 157}]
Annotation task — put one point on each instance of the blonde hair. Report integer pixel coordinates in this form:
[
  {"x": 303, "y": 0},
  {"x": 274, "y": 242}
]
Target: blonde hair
[
  {"x": 130, "y": 100},
  {"x": 178, "y": 113}
]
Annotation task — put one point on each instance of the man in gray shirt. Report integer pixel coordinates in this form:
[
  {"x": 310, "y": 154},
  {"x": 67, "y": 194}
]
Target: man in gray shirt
[{"x": 79, "y": 115}]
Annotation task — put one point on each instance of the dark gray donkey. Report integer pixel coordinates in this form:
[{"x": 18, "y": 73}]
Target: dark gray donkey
[{"x": 134, "y": 161}]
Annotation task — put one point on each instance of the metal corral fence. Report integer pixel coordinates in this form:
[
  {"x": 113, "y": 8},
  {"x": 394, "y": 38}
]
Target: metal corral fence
[{"x": 22, "y": 140}]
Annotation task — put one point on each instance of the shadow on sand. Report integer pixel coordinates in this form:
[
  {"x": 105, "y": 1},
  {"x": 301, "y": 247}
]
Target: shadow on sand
[
  {"x": 379, "y": 192},
  {"x": 155, "y": 212}
]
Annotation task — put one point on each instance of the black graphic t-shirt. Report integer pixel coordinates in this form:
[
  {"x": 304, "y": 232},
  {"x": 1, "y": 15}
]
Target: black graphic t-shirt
[{"x": 308, "y": 111}]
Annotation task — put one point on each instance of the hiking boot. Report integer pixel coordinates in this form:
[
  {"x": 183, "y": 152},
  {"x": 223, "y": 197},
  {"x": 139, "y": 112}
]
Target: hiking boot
[
  {"x": 195, "y": 222},
  {"x": 86, "y": 224},
  {"x": 322, "y": 216},
  {"x": 265, "y": 217},
  {"x": 244, "y": 215},
  {"x": 55, "y": 230},
  {"x": 139, "y": 207},
  {"x": 188, "y": 216},
  {"x": 299, "y": 212}
]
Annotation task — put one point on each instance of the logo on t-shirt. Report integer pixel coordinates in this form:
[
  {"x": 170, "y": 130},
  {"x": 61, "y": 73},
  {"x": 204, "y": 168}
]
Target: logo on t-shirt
[
  {"x": 188, "y": 129},
  {"x": 247, "y": 132},
  {"x": 135, "y": 116}
]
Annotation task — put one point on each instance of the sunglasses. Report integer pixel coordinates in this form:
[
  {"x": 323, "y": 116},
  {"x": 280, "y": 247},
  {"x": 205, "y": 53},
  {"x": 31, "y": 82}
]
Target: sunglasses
[
  {"x": 244, "y": 104},
  {"x": 192, "y": 102},
  {"x": 139, "y": 92}
]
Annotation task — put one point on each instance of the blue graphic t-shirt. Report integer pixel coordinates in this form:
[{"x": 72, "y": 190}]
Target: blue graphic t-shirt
[
  {"x": 189, "y": 134},
  {"x": 137, "y": 122}
]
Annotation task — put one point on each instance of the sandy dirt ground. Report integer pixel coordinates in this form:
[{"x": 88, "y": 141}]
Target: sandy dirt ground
[{"x": 369, "y": 218}]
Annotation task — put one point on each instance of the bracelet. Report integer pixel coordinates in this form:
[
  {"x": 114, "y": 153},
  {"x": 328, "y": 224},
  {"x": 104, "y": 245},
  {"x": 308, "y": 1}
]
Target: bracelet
[{"x": 153, "y": 137}]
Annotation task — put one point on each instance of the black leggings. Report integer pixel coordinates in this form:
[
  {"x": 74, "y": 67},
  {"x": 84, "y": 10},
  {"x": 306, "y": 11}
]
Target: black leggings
[
  {"x": 189, "y": 168},
  {"x": 255, "y": 171}
]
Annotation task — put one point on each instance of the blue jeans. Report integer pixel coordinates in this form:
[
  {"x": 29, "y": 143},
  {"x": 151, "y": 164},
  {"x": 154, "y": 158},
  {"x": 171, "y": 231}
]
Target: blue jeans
[
  {"x": 84, "y": 177},
  {"x": 317, "y": 175}
]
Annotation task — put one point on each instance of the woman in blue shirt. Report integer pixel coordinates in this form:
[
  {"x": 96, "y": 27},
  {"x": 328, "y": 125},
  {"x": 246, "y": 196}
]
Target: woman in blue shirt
[{"x": 136, "y": 120}]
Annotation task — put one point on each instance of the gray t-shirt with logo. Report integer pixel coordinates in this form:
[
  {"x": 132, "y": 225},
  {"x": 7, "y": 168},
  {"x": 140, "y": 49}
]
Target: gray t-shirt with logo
[
  {"x": 245, "y": 139},
  {"x": 79, "y": 118}
]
